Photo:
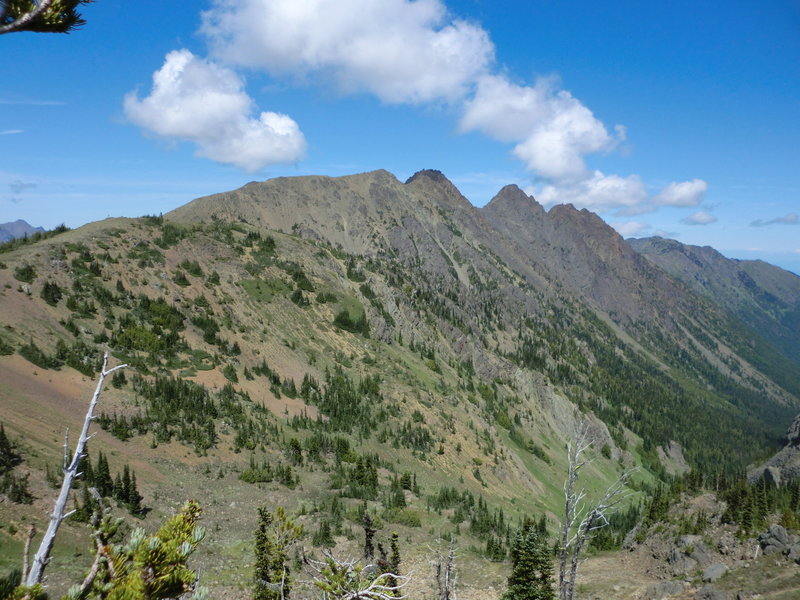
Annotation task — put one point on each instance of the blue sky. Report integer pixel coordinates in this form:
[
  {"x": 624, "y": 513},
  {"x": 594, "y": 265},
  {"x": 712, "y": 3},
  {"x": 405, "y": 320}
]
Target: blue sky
[{"x": 680, "y": 119}]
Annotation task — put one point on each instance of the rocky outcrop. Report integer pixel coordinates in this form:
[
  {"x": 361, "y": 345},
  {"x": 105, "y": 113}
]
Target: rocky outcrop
[
  {"x": 785, "y": 465},
  {"x": 663, "y": 589},
  {"x": 689, "y": 555},
  {"x": 709, "y": 592},
  {"x": 714, "y": 572},
  {"x": 776, "y": 540},
  {"x": 672, "y": 458}
]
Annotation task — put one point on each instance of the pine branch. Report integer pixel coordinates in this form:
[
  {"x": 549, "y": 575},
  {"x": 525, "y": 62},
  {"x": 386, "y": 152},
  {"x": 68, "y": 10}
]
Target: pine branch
[{"x": 46, "y": 16}]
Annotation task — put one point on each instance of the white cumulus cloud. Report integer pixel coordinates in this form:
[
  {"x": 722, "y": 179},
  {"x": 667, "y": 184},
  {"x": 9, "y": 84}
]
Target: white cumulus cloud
[
  {"x": 701, "y": 217},
  {"x": 195, "y": 100},
  {"x": 552, "y": 129},
  {"x": 684, "y": 193},
  {"x": 402, "y": 51},
  {"x": 597, "y": 192}
]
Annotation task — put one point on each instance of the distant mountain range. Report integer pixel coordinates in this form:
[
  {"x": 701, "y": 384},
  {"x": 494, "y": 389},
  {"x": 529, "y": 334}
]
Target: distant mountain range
[
  {"x": 760, "y": 294},
  {"x": 16, "y": 229}
]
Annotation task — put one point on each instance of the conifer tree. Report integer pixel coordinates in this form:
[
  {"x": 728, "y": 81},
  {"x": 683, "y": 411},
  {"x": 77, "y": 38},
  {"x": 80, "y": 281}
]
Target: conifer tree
[
  {"x": 125, "y": 491},
  {"x": 16, "y": 488},
  {"x": 118, "y": 490},
  {"x": 51, "y": 293},
  {"x": 747, "y": 517},
  {"x": 119, "y": 380},
  {"x": 267, "y": 580},
  {"x": 369, "y": 535},
  {"x": 8, "y": 456},
  {"x": 324, "y": 536},
  {"x": 85, "y": 467},
  {"x": 102, "y": 477},
  {"x": 382, "y": 561},
  {"x": 86, "y": 507},
  {"x": 274, "y": 537},
  {"x": 531, "y": 565},
  {"x": 134, "y": 498},
  {"x": 147, "y": 567},
  {"x": 394, "y": 560}
]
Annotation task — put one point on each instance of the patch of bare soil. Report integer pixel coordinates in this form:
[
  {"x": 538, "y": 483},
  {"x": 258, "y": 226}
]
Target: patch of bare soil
[
  {"x": 615, "y": 576},
  {"x": 38, "y": 406}
]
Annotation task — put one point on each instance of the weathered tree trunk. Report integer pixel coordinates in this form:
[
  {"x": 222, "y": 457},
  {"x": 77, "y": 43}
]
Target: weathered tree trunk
[
  {"x": 575, "y": 449},
  {"x": 445, "y": 573},
  {"x": 42, "y": 557},
  {"x": 27, "y": 552},
  {"x": 579, "y": 522}
]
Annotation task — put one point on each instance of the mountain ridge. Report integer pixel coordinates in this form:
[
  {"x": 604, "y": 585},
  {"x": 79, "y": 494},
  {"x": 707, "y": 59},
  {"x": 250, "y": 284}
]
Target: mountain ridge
[
  {"x": 377, "y": 213},
  {"x": 392, "y": 320},
  {"x": 753, "y": 290}
]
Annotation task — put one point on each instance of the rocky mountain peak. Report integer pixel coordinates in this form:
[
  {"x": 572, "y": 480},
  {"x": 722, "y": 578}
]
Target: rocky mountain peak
[
  {"x": 433, "y": 174},
  {"x": 512, "y": 192},
  {"x": 514, "y": 202},
  {"x": 435, "y": 186},
  {"x": 381, "y": 175},
  {"x": 585, "y": 228}
]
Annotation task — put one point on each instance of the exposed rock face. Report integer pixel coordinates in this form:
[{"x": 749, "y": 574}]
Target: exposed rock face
[
  {"x": 597, "y": 262},
  {"x": 785, "y": 465},
  {"x": 793, "y": 435},
  {"x": 672, "y": 458},
  {"x": 680, "y": 562},
  {"x": 689, "y": 555}
]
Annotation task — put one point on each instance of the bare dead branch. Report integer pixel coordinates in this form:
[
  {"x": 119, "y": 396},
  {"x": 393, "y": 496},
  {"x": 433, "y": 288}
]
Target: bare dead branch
[
  {"x": 344, "y": 580},
  {"x": 579, "y": 521},
  {"x": 42, "y": 557},
  {"x": 26, "y": 553},
  {"x": 66, "y": 450},
  {"x": 445, "y": 573}
]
